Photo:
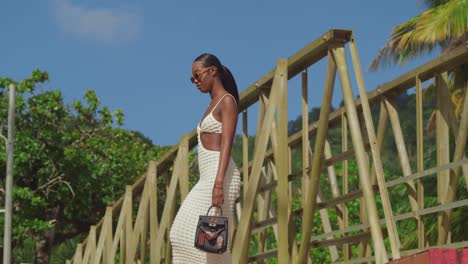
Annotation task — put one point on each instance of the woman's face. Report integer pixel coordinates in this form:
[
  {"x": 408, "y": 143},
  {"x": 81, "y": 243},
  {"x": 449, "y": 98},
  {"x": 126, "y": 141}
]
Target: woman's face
[{"x": 202, "y": 77}]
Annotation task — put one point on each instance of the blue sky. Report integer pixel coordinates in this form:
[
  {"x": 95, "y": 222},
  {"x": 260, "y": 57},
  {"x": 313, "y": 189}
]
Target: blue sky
[{"x": 137, "y": 55}]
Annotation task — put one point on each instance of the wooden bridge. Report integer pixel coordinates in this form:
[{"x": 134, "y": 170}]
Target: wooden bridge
[{"x": 289, "y": 211}]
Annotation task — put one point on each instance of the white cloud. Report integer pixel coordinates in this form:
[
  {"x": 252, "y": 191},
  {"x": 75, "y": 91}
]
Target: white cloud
[{"x": 102, "y": 24}]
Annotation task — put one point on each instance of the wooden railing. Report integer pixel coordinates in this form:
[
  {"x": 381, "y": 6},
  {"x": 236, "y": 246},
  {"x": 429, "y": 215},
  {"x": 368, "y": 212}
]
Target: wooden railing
[{"x": 270, "y": 186}]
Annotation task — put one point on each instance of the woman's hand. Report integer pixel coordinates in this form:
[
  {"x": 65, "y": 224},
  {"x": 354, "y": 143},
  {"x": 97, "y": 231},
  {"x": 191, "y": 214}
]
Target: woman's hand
[{"x": 217, "y": 199}]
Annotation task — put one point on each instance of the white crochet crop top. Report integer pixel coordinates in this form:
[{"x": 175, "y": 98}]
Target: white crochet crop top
[{"x": 209, "y": 124}]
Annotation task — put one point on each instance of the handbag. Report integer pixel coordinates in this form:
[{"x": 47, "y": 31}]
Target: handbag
[{"x": 212, "y": 233}]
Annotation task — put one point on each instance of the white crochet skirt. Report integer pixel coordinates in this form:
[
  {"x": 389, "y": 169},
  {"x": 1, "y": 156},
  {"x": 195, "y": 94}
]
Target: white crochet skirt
[{"x": 196, "y": 203}]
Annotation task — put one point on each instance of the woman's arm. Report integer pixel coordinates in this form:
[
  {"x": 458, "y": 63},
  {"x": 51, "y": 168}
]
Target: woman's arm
[{"x": 228, "y": 109}]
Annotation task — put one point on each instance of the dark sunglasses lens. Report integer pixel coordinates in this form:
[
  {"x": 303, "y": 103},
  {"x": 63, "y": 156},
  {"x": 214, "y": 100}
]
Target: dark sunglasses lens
[{"x": 192, "y": 79}]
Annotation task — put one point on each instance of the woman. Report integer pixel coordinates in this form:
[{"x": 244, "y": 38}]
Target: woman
[{"x": 219, "y": 182}]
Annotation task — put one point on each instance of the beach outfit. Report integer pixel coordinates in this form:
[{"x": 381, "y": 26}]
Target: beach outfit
[{"x": 197, "y": 202}]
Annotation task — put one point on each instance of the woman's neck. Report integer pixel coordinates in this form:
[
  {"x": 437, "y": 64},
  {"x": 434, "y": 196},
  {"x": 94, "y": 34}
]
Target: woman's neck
[{"x": 217, "y": 90}]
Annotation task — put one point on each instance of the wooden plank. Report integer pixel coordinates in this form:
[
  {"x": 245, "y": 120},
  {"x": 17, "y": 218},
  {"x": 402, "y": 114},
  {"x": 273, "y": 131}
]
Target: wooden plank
[
  {"x": 165, "y": 218},
  {"x": 78, "y": 257},
  {"x": 414, "y": 176},
  {"x": 345, "y": 181},
  {"x": 144, "y": 231},
  {"x": 460, "y": 146},
  {"x": 240, "y": 248},
  {"x": 381, "y": 130},
  {"x": 184, "y": 171},
  {"x": 172, "y": 212},
  {"x": 262, "y": 103},
  {"x": 153, "y": 213},
  {"x": 333, "y": 184},
  {"x": 103, "y": 237},
  {"x": 375, "y": 151},
  {"x": 443, "y": 157},
  {"x": 420, "y": 158},
  {"x": 310, "y": 201},
  {"x": 263, "y": 207},
  {"x": 282, "y": 166},
  {"x": 119, "y": 230},
  {"x": 128, "y": 231},
  {"x": 90, "y": 251},
  {"x": 305, "y": 136},
  {"x": 361, "y": 159},
  {"x": 245, "y": 151},
  {"x": 402, "y": 153},
  {"x": 401, "y": 217},
  {"x": 139, "y": 221},
  {"x": 430, "y": 171}
]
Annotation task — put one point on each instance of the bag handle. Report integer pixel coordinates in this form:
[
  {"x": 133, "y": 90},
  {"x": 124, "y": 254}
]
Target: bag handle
[{"x": 215, "y": 207}]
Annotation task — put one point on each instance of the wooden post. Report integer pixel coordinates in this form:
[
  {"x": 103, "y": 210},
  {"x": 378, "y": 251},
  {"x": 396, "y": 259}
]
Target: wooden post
[
  {"x": 333, "y": 184},
  {"x": 262, "y": 105},
  {"x": 443, "y": 151},
  {"x": 144, "y": 229},
  {"x": 420, "y": 159},
  {"x": 402, "y": 153},
  {"x": 78, "y": 257},
  {"x": 358, "y": 145},
  {"x": 104, "y": 241},
  {"x": 282, "y": 165},
  {"x": 184, "y": 172},
  {"x": 168, "y": 211},
  {"x": 126, "y": 216},
  {"x": 153, "y": 212},
  {"x": 310, "y": 204},
  {"x": 272, "y": 210},
  {"x": 90, "y": 251},
  {"x": 460, "y": 145},
  {"x": 305, "y": 137},
  {"x": 245, "y": 152},
  {"x": 263, "y": 207},
  {"x": 375, "y": 150},
  {"x": 240, "y": 248},
  {"x": 119, "y": 237},
  {"x": 172, "y": 212},
  {"x": 138, "y": 228},
  {"x": 345, "y": 181},
  {"x": 128, "y": 233}
]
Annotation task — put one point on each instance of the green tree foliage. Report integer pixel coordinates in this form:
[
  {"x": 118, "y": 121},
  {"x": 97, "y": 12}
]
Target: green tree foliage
[{"x": 71, "y": 161}]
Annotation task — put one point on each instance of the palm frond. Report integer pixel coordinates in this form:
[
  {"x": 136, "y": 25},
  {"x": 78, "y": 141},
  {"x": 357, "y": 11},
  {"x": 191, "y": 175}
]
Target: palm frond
[
  {"x": 438, "y": 26},
  {"x": 434, "y": 3}
]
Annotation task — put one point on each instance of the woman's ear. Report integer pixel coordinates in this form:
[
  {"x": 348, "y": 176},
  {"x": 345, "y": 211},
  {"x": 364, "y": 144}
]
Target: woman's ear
[{"x": 213, "y": 71}]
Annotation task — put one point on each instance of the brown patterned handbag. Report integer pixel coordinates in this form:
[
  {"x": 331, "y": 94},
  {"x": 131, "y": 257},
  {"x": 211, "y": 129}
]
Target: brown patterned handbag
[{"x": 212, "y": 233}]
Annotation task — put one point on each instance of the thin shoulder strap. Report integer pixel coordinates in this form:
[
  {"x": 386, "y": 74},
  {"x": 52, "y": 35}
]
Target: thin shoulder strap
[{"x": 221, "y": 100}]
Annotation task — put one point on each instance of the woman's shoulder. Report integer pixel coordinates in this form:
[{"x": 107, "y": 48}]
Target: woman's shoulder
[{"x": 228, "y": 101}]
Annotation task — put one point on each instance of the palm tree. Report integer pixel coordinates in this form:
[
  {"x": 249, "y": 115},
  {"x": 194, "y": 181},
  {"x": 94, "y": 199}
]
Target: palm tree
[{"x": 443, "y": 24}]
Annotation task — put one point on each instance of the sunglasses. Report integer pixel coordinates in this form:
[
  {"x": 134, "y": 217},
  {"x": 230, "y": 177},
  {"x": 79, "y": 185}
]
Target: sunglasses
[{"x": 197, "y": 76}]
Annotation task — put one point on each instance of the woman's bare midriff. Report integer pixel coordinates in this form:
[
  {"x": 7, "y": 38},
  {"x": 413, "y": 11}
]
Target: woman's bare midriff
[{"x": 211, "y": 141}]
